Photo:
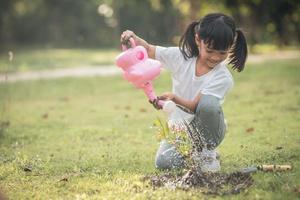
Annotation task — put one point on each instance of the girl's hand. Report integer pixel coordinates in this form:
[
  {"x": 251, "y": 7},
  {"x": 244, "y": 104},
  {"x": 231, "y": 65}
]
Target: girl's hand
[
  {"x": 126, "y": 35},
  {"x": 155, "y": 104},
  {"x": 168, "y": 96}
]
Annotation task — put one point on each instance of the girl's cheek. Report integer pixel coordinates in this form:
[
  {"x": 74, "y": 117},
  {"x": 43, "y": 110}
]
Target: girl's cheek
[{"x": 224, "y": 57}]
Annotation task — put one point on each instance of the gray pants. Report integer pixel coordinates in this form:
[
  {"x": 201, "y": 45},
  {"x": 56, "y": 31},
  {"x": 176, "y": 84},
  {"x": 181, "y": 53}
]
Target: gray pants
[{"x": 209, "y": 119}]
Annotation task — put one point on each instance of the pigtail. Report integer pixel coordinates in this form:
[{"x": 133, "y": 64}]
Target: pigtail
[
  {"x": 239, "y": 52},
  {"x": 187, "y": 43}
]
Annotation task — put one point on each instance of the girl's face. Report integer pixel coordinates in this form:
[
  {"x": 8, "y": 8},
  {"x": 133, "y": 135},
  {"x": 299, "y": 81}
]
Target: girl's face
[{"x": 209, "y": 56}]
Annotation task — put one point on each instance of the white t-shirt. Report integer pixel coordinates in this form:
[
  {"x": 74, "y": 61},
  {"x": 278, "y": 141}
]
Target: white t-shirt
[{"x": 186, "y": 84}]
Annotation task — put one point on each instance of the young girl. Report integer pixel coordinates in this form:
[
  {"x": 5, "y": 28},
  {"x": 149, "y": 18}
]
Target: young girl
[{"x": 200, "y": 82}]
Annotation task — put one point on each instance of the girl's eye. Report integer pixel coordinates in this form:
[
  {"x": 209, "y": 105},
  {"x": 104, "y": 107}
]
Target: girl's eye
[{"x": 208, "y": 51}]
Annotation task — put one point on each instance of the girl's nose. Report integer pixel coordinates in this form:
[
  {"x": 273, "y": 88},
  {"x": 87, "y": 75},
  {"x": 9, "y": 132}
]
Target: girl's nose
[{"x": 215, "y": 58}]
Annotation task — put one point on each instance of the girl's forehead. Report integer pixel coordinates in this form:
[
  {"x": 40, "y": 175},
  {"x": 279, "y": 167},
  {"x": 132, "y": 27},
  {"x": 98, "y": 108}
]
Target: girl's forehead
[{"x": 207, "y": 47}]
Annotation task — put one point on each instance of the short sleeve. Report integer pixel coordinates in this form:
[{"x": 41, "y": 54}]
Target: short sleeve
[
  {"x": 170, "y": 57},
  {"x": 218, "y": 86}
]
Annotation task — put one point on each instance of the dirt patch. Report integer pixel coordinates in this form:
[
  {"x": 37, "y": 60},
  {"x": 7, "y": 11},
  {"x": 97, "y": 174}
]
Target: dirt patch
[
  {"x": 192, "y": 175},
  {"x": 208, "y": 183}
]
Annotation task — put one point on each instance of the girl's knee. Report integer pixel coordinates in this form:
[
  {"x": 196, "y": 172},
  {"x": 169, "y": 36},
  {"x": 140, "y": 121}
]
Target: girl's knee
[
  {"x": 209, "y": 119},
  {"x": 208, "y": 104},
  {"x": 162, "y": 163},
  {"x": 169, "y": 159}
]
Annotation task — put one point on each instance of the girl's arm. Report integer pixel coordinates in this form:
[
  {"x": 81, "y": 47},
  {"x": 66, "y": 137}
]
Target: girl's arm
[
  {"x": 139, "y": 41},
  {"x": 189, "y": 104}
]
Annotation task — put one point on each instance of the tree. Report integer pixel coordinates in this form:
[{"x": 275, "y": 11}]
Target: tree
[{"x": 268, "y": 20}]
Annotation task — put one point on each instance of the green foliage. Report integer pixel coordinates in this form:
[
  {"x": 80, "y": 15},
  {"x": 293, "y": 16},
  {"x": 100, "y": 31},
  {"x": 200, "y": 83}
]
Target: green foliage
[
  {"x": 78, "y": 23},
  {"x": 163, "y": 131},
  {"x": 175, "y": 135},
  {"x": 268, "y": 21}
]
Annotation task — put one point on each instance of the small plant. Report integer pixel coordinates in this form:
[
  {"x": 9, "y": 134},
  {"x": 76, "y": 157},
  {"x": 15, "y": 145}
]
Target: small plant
[
  {"x": 175, "y": 134},
  {"x": 187, "y": 137}
]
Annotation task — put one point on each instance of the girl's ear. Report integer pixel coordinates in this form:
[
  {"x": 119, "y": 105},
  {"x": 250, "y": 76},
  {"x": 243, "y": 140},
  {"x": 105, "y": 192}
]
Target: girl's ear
[{"x": 197, "y": 40}]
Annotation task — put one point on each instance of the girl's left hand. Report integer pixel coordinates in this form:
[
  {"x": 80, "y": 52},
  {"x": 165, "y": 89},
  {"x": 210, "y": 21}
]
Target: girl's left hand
[{"x": 167, "y": 96}]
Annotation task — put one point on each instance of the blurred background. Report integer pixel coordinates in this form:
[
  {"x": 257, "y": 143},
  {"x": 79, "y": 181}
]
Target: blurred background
[{"x": 98, "y": 23}]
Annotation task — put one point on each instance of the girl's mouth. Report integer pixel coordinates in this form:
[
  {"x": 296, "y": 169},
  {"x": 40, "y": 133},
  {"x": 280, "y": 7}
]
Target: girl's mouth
[{"x": 211, "y": 63}]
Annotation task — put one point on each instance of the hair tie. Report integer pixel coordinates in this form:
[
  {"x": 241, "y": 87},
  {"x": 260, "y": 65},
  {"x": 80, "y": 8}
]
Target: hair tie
[{"x": 197, "y": 27}]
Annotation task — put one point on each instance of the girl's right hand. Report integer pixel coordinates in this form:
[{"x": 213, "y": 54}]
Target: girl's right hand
[{"x": 126, "y": 35}]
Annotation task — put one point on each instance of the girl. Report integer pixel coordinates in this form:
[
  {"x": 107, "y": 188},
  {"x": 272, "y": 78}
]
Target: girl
[{"x": 200, "y": 82}]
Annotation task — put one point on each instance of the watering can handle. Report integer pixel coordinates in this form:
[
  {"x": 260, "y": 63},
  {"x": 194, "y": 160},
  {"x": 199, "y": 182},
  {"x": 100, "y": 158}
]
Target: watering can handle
[{"x": 130, "y": 42}]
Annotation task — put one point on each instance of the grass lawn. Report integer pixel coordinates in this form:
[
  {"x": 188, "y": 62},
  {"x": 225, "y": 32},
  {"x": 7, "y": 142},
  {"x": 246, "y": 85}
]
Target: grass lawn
[
  {"x": 38, "y": 59},
  {"x": 91, "y": 138}
]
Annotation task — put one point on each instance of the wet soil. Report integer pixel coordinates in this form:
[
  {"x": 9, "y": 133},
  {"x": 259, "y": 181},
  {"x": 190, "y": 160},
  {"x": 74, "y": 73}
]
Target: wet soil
[{"x": 208, "y": 183}]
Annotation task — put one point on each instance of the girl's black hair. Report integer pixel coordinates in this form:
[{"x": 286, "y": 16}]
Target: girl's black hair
[{"x": 218, "y": 31}]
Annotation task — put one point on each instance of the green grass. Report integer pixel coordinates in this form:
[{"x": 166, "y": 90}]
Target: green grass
[
  {"x": 39, "y": 59},
  {"x": 91, "y": 138},
  {"x": 271, "y": 48}
]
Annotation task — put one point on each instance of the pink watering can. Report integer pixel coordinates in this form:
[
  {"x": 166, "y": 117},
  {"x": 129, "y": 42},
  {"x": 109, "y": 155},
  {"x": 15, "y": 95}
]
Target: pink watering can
[{"x": 141, "y": 71}]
